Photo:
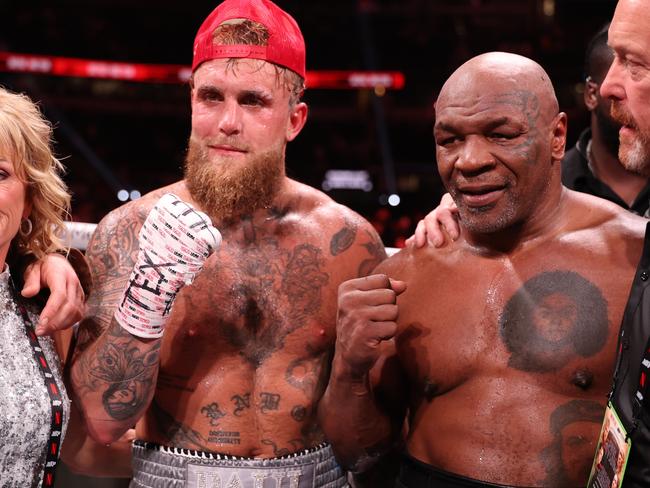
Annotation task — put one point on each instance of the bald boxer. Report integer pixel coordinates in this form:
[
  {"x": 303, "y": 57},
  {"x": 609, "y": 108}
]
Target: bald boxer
[
  {"x": 497, "y": 349},
  {"x": 224, "y": 388}
]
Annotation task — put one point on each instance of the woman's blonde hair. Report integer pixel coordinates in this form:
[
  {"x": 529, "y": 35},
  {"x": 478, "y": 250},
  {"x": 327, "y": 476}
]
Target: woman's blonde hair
[{"x": 26, "y": 140}]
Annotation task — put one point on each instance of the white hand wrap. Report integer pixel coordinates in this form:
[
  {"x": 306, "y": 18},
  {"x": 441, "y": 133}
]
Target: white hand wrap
[{"x": 175, "y": 241}]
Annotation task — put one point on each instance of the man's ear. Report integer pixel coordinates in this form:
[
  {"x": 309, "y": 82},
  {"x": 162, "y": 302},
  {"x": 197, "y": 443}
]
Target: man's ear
[
  {"x": 297, "y": 119},
  {"x": 591, "y": 94},
  {"x": 558, "y": 140}
]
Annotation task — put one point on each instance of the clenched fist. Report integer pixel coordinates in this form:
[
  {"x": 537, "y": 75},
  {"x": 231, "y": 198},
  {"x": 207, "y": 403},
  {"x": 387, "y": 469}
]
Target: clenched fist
[
  {"x": 367, "y": 314},
  {"x": 175, "y": 240}
]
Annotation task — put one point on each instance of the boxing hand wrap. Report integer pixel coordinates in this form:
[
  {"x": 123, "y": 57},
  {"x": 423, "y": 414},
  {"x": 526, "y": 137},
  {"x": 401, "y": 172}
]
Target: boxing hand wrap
[{"x": 175, "y": 240}]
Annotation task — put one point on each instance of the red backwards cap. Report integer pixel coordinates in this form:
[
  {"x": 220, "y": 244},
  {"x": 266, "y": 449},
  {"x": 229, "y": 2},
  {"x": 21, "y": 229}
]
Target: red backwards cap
[{"x": 286, "y": 46}]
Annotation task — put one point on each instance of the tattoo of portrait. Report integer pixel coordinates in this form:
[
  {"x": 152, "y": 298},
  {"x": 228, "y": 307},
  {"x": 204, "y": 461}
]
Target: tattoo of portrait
[
  {"x": 269, "y": 401},
  {"x": 567, "y": 460},
  {"x": 343, "y": 239},
  {"x": 555, "y": 316},
  {"x": 129, "y": 371},
  {"x": 298, "y": 413},
  {"x": 242, "y": 402},
  {"x": 213, "y": 412}
]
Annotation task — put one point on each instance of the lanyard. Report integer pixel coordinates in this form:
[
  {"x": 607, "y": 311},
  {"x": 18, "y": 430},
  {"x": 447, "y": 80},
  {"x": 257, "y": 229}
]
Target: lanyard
[
  {"x": 644, "y": 383},
  {"x": 56, "y": 423}
]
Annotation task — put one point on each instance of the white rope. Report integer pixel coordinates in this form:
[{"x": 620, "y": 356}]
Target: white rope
[{"x": 79, "y": 234}]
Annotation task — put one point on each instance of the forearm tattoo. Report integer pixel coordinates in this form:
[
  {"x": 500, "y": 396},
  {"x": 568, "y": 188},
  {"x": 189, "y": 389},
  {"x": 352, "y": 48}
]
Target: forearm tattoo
[{"x": 122, "y": 371}]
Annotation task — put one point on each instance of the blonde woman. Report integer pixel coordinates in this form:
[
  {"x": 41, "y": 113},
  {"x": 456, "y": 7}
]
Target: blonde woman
[{"x": 34, "y": 200}]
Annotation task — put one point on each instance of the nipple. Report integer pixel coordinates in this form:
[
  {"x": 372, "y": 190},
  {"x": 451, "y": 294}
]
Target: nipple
[
  {"x": 583, "y": 379},
  {"x": 430, "y": 390}
]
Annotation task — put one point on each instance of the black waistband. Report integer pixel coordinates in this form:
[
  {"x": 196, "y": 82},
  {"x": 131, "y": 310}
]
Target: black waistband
[{"x": 416, "y": 474}]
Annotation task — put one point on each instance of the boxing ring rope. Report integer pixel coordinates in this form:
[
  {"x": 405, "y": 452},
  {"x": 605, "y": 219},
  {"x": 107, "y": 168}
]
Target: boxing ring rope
[{"x": 78, "y": 234}]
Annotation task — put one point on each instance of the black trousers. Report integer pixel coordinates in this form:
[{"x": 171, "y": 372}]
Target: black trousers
[{"x": 416, "y": 474}]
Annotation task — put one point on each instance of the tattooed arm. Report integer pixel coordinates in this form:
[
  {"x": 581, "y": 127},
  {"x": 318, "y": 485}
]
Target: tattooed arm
[
  {"x": 113, "y": 373},
  {"x": 115, "y": 378}
]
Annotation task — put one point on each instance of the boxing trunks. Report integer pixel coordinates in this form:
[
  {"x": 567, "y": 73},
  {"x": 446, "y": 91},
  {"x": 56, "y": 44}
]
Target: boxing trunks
[
  {"x": 156, "y": 466},
  {"x": 416, "y": 474}
]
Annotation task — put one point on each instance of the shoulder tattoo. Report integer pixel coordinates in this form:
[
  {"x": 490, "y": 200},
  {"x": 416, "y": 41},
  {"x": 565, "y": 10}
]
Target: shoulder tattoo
[
  {"x": 376, "y": 254},
  {"x": 344, "y": 238}
]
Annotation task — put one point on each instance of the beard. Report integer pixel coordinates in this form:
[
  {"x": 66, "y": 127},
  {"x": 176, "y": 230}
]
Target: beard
[
  {"x": 226, "y": 189},
  {"x": 634, "y": 154},
  {"x": 478, "y": 220}
]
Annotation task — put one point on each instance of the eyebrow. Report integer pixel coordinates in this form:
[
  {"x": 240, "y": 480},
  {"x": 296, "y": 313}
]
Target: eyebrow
[
  {"x": 205, "y": 89},
  {"x": 488, "y": 125},
  {"x": 259, "y": 93}
]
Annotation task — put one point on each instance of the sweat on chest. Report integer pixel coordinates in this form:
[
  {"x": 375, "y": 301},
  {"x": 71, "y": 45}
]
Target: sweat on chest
[
  {"x": 256, "y": 302},
  {"x": 552, "y": 323}
]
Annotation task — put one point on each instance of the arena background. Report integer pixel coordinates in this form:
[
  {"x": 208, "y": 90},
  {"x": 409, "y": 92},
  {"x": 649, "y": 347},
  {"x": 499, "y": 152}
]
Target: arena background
[{"x": 116, "y": 134}]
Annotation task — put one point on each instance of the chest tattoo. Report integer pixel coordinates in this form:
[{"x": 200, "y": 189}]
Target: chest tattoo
[
  {"x": 574, "y": 428},
  {"x": 554, "y": 317},
  {"x": 276, "y": 291}
]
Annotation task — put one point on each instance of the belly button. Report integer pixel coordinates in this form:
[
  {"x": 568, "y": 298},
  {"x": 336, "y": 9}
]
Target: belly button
[{"x": 583, "y": 379}]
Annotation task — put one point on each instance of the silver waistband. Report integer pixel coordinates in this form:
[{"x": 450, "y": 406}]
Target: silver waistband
[{"x": 161, "y": 466}]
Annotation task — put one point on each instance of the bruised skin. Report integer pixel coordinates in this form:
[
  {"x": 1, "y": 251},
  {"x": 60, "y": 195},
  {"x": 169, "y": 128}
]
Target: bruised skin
[{"x": 245, "y": 355}]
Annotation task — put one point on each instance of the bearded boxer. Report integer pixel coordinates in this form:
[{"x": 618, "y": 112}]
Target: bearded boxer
[
  {"x": 224, "y": 387},
  {"x": 504, "y": 346}
]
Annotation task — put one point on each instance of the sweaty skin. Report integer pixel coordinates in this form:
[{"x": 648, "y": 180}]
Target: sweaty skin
[
  {"x": 246, "y": 352},
  {"x": 505, "y": 342}
]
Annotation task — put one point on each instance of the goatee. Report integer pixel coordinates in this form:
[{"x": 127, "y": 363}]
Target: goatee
[{"x": 226, "y": 189}]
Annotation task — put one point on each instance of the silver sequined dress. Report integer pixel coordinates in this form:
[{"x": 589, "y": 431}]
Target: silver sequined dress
[{"x": 25, "y": 406}]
